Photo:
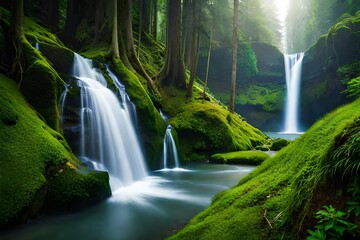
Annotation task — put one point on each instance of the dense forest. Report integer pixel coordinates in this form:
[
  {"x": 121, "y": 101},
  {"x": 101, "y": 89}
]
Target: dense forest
[{"x": 180, "y": 119}]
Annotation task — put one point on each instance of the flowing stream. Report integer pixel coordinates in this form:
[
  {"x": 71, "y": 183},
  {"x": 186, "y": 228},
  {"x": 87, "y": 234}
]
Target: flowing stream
[
  {"x": 150, "y": 209},
  {"x": 293, "y": 64}
]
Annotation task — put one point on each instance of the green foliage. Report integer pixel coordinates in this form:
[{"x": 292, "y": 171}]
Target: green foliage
[
  {"x": 246, "y": 60},
  {"x": 353, "y": 87},
  {"x": 242, "y": 157},
  {"x": 354, "y": 201},
  {"x": 283, "y": 185},
  {"x": 349, "y": 71},
  {"x": 332, "y": 223}
]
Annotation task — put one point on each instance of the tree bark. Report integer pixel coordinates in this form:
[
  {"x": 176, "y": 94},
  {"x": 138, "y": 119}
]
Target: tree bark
[
  {"x": 115, "y": 42},
  {"x": 194, "y": 46},
  {"x": 154, "y": 20},
  {"x": 188, "y": 12},
  {"x": 234, "y": 57},
  {"x": 99, "y": 13},
  {"x": 207, "y": 66},
  {"x": 73, "y": 18},
  {"x": 141, "y": 7},
  {"x": 173, "y": 72},
  {"x": 15, "y": 35}
]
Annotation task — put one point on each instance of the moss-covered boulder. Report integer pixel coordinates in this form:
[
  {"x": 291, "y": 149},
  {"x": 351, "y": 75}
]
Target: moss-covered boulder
[
  {"x": 278, "y": 199},
  {"x": 241, "y": 157},
  {"x": 33, "y": 157},
  {"x": 278, "y": 144},
  {"x": 206, "y": 127}
]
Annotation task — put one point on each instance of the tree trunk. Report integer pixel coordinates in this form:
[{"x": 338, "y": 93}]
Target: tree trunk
[
  {"x": 15, "y": 35},
  {"x": 195, "y": 43},
  {"x": 207, "y": 66},
  {"x": 234, "y": 60},
  {"x": 188, "y": 36},
  {"x": 154, "y": 20},
  {"x": 73, "y": 18},
  {"x": 115, "y": 42},
  {"x": 128, "y": 42},
  {"x": 141, "y": 7},
  {"x": 53, "y": 14},
  {"x": 99, "y": 13},
  {"x": 173, "y": 71}
]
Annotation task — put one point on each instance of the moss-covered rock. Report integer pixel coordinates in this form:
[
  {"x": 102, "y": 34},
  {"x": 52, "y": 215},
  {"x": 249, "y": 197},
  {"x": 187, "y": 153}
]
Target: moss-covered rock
[
  {"x": 278, "y": 144},
  {"x": 288, "y": 188},
  {"x": 241, "y": 157},
  {"x": 69, "y": 189},
  {"x": 32, "y": 156},
  {"x": 205, "y": 127},
  {"x": 41, "y": 85}
]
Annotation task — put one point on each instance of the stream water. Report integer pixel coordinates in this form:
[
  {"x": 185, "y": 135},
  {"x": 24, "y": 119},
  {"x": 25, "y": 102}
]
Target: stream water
[{"x": 150, "y": 209}]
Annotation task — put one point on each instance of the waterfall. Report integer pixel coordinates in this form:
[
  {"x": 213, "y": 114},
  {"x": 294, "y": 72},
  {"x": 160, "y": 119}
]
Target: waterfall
[
  {"x": 108, "y": 140},
  {"x": 37, "y": 47},
  {"x": 170, "y": 154},
  {"x": 293, "y": 64}
]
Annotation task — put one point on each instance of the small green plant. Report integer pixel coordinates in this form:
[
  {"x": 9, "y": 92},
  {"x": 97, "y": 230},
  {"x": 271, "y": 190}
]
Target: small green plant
[
  {"x": 332, "y": 224},
  {"x": 354, "y": 202}
]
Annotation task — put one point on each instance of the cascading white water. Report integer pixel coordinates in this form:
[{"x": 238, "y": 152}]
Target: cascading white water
[
  {"x": 293, "y": 64},
  {"x": 37, "y": 47},
  {"x": 126, "y": 103},
  {"x": 108, "y": 137},
  {"x": 170, "y": 154}
]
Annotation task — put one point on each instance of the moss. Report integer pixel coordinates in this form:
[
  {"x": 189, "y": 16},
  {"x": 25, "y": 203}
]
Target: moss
[
  {"x": 71, "y": 189},
  {"x": 99, "y": 52},
  {"x": 270, "y": 96},
  {"x": 278, "y": 144},
  {"x": 151, "y": 124},
  {"x": 31, "y": 153},
  {"x": 41, "y": 86},
  {"x": 205, "y": 127},
  {"x": 281, "y": 188},
  {"x": 242, "y": 157}
]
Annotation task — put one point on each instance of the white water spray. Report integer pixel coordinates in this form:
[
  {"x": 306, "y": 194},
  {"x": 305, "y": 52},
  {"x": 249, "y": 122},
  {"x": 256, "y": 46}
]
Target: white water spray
[
  {"x": 293, "y": 64},
  {"x": 108, "y": 138}
]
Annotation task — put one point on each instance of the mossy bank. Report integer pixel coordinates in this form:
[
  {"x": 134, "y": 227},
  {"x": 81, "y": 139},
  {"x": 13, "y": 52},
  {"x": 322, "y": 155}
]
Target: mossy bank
[
  {"x": 278, "y": 199},
  {"x": 37, "y": 166}
]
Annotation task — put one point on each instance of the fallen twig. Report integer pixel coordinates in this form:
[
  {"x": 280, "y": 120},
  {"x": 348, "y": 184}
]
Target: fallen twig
[{"x": 267, "y": 220}]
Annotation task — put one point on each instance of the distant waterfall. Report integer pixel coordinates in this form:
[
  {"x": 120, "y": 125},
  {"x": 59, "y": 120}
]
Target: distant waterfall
[
  {"x": 37, "y": 46},
  {"x": 108, "y": 138},
  {"x": 293, "y": 64},
  {"x": 170, "y": 154}
]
